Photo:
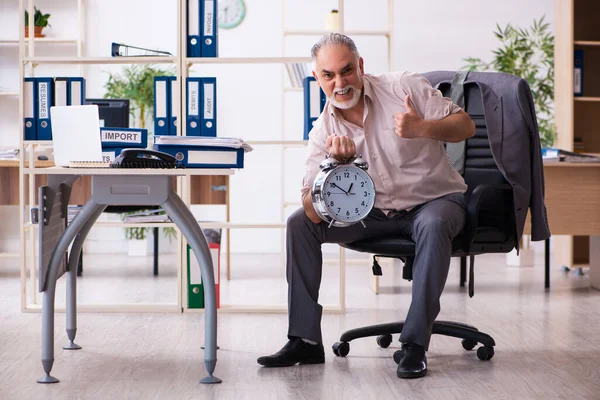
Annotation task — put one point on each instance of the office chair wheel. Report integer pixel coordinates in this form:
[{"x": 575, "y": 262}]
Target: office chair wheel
[
  {"x": 468, "y": 344},
  {"x": 485, "y": 353},
  {"x": 384, "y": 341},
  {"x": 397, "y": 355},
  {"x": 341, "y": 349}
]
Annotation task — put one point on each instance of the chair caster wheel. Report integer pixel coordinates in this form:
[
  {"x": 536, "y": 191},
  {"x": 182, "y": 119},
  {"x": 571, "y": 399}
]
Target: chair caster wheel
[
  {"x": 468, "y": 344},
  {"x": 485, "y": 353},
  {"x": 384, "y": 341},
  {"x": 341, "y": 349},
  {"x": 397, "y": 355}
]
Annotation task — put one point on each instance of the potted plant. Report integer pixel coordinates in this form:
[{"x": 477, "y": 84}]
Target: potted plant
[
  {"x": 40, "y": 21},
  {"x": 136, "y": 83},
  {"x": 529, "y": 54}
]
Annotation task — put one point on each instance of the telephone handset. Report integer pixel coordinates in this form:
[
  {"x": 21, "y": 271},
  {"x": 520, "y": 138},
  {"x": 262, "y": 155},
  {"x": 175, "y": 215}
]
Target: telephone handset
[{"x": 144, "y": 158}]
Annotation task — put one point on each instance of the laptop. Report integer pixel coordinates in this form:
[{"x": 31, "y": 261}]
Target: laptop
[{"x": 76, "y": 136}]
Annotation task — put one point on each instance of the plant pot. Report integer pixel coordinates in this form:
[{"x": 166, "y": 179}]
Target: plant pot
[
  {"x": 37, "y": 32},
  {"x": 138, "y": 248}
]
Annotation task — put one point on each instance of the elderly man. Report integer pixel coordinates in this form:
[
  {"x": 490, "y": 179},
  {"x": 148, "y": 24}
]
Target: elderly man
[{"x": 398, "y": 123}]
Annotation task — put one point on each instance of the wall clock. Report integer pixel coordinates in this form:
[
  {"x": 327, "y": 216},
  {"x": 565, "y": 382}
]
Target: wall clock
[{"x": 231, "y": 13}]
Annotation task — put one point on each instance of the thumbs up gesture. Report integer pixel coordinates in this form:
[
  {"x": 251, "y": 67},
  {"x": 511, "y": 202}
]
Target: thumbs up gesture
[{"x": 408, "y": 124}]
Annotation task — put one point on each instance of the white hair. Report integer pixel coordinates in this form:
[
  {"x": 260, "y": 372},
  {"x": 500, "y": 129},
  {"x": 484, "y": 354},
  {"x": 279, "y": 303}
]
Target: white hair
[{"x": 332, "y": 39}]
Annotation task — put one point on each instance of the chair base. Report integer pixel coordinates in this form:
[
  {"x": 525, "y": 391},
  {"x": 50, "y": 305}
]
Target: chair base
[{"x": 470, "y": 335}]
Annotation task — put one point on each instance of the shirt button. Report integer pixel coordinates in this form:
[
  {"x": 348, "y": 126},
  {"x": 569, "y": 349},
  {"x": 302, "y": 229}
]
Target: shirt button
[{"x": 375, "y": 156}]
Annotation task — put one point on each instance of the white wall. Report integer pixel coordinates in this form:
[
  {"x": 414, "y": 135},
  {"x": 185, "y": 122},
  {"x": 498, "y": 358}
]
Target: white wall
[{"x": 428, "y": 35}]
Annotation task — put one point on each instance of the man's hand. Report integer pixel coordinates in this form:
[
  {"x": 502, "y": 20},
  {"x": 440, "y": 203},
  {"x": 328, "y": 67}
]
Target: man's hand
[
  {"x": 341, "y": 147},
  {"x": 408, "y": 125}
]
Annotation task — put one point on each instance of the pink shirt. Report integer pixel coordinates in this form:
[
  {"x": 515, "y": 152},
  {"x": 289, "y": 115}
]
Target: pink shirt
[{"x": 406, "y": 172}]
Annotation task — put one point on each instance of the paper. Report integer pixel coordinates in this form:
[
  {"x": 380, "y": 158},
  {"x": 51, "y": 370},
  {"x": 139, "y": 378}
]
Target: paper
[{"x": 204, "y": 141}]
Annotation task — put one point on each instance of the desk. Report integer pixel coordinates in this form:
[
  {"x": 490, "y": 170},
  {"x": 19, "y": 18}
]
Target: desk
[
  {"x": 572, "y": 197},
  {"x": 111, "y": 186}
]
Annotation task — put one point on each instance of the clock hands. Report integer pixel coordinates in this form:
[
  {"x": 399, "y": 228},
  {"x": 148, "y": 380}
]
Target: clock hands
[
  {"x": 350, "y": 188},
  {"x": 333, "y": 184}
]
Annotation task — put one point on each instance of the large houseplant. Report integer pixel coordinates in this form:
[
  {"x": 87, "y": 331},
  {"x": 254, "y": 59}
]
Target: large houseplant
[
  {"x": 529, "y": 54},
  {"x": 136, "y": 83},
  {"x": 40, "y": 21}
]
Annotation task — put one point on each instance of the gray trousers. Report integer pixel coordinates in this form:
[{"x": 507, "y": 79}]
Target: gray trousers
[{"x": 432, "y": 226}]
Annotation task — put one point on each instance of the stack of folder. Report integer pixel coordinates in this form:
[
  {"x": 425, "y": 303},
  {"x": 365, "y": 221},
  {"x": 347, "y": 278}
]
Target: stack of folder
[
  {"x": 204, "y": 152},
  {"x": 44, "y": 92},
  {"x": 202, "y": 28},
  {"x": 201, "y": 106},
  {"x": 116, "y": 139}
]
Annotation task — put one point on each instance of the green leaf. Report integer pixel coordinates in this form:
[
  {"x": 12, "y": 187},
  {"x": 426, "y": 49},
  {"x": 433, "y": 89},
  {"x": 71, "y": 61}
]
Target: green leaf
[{"x": 527, "y": 52}]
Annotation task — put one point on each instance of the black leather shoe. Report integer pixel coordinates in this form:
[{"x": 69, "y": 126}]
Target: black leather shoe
[
  {"x": 296, "y": 351},
  {"x": 412, "y": 361}
]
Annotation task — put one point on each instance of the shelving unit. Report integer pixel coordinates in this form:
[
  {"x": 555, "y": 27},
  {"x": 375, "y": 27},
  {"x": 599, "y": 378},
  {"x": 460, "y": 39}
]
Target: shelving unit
[
  {"x": 29, "y": 59},
  {"x": 575, "y": 28}
]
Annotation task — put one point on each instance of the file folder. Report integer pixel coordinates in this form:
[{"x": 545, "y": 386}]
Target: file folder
[
  {"x": 314, "y": 102},
  {"x": 174, "y": 106},
  {"x": 30, "y": 109},
  {"x": 209, "y": 27},
  {"x": 204, "y": 156},
  {"x": 209, "y": 107},
  {"x": 45, "y": 99},
  {"x": 195, "y": 285},
  {"x": 578, "y": 73},
  {"x": 124, "y": 137},
  {"x": 194, "y": 49},
  {"x": 69, "y": 91},
  {"x": 75, "y": 91},
  {"x": 162, "y": 119},
  {"x": 192, "y": 97},
  {"x": 61, "y": 90}
]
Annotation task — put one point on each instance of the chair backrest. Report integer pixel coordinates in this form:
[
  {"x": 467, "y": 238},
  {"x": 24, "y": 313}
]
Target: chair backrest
[{"x": 480, "y": 168}]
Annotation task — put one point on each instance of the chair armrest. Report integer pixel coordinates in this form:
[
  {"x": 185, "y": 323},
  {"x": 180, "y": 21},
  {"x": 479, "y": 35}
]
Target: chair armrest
[{"x": 472, "y": 215}]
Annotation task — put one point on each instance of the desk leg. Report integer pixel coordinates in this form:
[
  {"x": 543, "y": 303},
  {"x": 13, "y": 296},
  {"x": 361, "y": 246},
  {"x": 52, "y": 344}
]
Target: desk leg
[
  {"x": 88, "y": 210},
  {"x": 185, "y": 220},
  {"x": 74, "y": 258}
]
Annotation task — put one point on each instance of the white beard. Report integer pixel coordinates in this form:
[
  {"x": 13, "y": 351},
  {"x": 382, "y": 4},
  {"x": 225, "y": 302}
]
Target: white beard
[{"x": 349, "y": 103}]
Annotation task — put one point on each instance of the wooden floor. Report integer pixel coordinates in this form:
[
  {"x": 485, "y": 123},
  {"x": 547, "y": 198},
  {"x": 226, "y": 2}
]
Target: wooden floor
[{"x": 548, "y": 345}]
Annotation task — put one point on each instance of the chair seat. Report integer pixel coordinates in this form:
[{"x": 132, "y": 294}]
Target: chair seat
[{"x": 402, "y": 246}]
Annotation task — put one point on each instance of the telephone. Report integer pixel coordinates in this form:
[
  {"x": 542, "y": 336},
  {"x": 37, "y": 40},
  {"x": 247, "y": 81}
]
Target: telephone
[{"x": 144, "y": 158}]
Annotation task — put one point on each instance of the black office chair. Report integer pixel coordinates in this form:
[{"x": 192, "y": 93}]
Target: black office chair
[{"x": 489, "y": 228}]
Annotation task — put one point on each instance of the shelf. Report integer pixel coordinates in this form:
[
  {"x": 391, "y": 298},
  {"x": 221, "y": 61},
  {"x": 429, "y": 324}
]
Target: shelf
[
  {"x": 348, "y": 33},
  {"x": 100, "y": 60},
  {"x": 9, "y": 93},
  {"x": 9, "y": 255},
  {"x": 15, "y": 163},
  {"x": 585, "y": 98},
  {"x": 586, "y": 43},
  {"x": 247, "y": 60},
  {"x": 37, "y": 142},
  {"x": 41, "y": 41}
]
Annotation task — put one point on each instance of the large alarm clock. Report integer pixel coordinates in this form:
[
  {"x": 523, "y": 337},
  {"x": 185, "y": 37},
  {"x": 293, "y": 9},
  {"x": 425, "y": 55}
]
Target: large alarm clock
[{"x": 343, "y": 194}]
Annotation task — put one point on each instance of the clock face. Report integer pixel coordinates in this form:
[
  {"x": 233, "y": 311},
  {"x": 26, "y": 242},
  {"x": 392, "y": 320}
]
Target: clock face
[
  {"x": 348, "y": 194},
  {"x": 231, "y": 13}
]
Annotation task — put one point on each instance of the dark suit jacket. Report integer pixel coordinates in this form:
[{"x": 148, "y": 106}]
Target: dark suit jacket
[{"x": 514, "y": 141}]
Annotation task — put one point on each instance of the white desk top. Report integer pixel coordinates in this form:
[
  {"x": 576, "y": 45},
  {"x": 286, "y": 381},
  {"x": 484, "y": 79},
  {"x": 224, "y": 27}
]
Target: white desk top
[{"x": 128, "y": 171}]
